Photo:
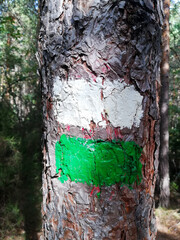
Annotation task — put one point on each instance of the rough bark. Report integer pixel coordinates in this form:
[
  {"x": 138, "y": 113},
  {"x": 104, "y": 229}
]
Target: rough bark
[
  {"x": 103, "y": 43},
  {"x": 164, "y": 188}
]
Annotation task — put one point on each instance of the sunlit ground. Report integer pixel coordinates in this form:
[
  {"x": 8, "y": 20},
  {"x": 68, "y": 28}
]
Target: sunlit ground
[
  {"x": 20, "y": 236},
  {"x": 168, "y": 223},
  {"x": 168, "y": 220}
]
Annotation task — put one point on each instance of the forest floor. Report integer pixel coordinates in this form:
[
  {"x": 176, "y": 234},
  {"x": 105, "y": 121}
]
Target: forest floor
[
  {"x": 168, "y": 220},
  {"x": 168, "y": 224}
]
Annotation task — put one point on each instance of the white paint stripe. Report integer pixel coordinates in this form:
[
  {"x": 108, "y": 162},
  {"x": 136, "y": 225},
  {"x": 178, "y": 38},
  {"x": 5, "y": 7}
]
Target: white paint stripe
[{"x": 77, "y": 102}]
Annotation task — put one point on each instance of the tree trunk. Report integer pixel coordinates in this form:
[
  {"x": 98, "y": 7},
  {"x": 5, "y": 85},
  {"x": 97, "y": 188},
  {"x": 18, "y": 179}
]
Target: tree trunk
[
  {"x": 164, "y": 189},
  {"x": 100, "y": 64}
]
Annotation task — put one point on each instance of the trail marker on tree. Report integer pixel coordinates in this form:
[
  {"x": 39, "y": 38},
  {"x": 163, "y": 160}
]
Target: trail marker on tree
[{"x": 100, "y": 78}]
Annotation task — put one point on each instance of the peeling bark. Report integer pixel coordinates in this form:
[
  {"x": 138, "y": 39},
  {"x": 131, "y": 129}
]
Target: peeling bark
[{"x": 101, "y": 43}]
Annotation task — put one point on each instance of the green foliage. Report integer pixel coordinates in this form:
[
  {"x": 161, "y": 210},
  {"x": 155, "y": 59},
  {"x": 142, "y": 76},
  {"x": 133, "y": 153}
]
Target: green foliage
[
  {"x": 11, "y": 219},
  {"x": 20, "y": 120},
  {"x": 17, "y": 52},
  {"x": 173, "y": 187}
]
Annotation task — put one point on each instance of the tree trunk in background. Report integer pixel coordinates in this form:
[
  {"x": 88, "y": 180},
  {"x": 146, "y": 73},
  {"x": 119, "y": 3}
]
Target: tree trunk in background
[
  {"x": 100, "y": 62},
  {"x": 164, "y": 188}
]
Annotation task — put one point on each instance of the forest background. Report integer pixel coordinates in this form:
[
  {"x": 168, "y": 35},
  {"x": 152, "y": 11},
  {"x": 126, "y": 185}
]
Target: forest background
[{"x": 21, "y": 120}]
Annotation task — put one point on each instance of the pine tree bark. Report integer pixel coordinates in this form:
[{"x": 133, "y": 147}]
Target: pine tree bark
[
  {"x": 100, "y": 64},
  {"x": 164, "y": 188}
]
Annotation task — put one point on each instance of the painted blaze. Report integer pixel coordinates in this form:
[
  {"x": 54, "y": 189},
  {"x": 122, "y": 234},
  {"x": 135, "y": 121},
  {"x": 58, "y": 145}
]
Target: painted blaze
[
  {"x": 92, "y": 106},
  {"x": 98, "y": 162}
]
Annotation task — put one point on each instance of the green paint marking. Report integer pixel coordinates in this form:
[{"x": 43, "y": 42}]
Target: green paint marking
[{"x": 97, "y": 162}]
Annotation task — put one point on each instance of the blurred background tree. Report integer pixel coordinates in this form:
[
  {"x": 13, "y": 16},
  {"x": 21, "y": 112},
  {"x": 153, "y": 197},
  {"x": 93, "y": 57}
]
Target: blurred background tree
[
  {"x": 169, "y": 160},
  {"x": 20, "y": 120},
  {"x": 174, "y": 97}
]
